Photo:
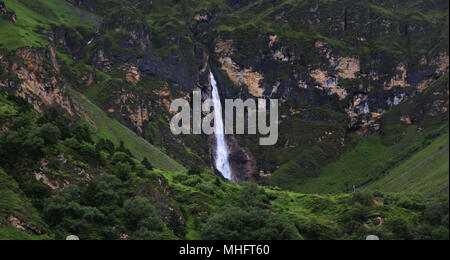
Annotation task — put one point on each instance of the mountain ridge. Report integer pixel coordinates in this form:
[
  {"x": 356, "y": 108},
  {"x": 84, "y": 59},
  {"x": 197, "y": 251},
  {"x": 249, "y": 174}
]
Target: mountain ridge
[{"x": 363, "y": 87}]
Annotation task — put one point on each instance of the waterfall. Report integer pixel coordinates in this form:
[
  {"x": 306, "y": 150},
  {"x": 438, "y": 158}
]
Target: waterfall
[{"x": 222, "y": 153}]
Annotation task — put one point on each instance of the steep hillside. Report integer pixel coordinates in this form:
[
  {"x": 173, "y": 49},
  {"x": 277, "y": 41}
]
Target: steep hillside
[
  {"x": 86, "y": 147},
  {"x": 412, "y": 130},
  {"x": 57, "y": 181},
  {"x": 337, "y": 68},
  {"x": 18, "y": 217},
  {"x": 108, "y": 128},
  {"x": 35, "y": 78},
  {"x": 425, "y": 172},
  {"x": 33, "y": 18}
]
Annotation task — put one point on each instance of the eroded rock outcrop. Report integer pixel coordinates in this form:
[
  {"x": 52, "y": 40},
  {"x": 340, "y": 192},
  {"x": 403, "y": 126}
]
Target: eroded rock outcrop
[
  {"x": 10, "y": 15},
  {"x": 36, "y": 78},
  {"x": 134, "y": 109},
  {"x": 364, "y": 89},
  {"x": 327, "y": 83},
  {"x": 237, "y": 75},
  {"x": 244, "y": 166},
  {"x": 23, "y": 226}
]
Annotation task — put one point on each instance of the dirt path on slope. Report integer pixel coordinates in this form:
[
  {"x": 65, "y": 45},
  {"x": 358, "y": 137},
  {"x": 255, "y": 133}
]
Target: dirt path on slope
[
  {"x": 419, "y": 164},
  {"x": 410, "y": 170}
]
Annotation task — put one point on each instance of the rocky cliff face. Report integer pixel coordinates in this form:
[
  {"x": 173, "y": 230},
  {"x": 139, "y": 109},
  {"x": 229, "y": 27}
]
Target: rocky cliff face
[
  {"x": 336, "y": 68},
  {"x": 34, "y": 77},
  {"x": 10, "y": 15},
  {"x": 368, "y": 94},
  {"x": 340, "y": 76}
]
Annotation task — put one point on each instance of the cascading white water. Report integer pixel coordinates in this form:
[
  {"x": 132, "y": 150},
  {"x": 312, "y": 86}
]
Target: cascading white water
[{"x": 222, "y": 153}]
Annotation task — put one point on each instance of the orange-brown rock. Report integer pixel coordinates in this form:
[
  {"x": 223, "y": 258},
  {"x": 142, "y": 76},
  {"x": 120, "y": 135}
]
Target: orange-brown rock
[
  {"x": 400, "y": 77},
  {"x": 38, "y": 85},
  {"x": 132, "y": 75},
  {"x": 245, "y": 76},
  {"x": 328, "y": 83},
  {"x": 348, "y": 68},
  {"x": 224, "y": 48},
  {"x": 272, "y": 40}
]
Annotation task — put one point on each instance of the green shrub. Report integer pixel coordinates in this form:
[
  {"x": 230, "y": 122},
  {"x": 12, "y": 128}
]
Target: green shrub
[
  {"x": 122, "y": 171},
  {"x": 398, "y": 227},
  {"x": 364, "y": 198},
  {"x": 192, "y": 181},
  {"x": 147, "y": 164},
  {"x": 50, "y": 133},
  {"x": 207, "y": 187},
  {"x": 83, "y": 133},
  {"x": 194, "y": 171},
  {"x": 121, "y": 157},
  {"x": 139, "y": 213},
  {"x": 235, "y": 223}
]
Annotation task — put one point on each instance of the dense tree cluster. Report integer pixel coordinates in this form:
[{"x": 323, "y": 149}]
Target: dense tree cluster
[
  {"x": 431, "y": 223},
  {"x": 120, "y": 200},
  {"x": 103, "y": 208},
  {"x": 248, "y": 217}
]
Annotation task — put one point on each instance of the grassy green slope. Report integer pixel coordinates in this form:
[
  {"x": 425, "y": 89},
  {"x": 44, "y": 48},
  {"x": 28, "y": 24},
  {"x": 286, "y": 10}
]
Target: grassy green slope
[
  {"x": 293, "y": 29},
  {"x": 203, "y": 196},
  {"x": 30, "y": 20},
  {"x": 14, "y": 203},
  {"x": 317, "y": 216},
  {"x": 106, "y": 127},
  {"x": 353, "y": 168},
  {"x": 6, "y": 108},
  {"x": 426, "y": 172},
  {"x": 38, "y": 15},
  {"x": 371, "y": 161},
  {"x": 326, "y": 214},
  {"x": 396, "y": 148}
]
